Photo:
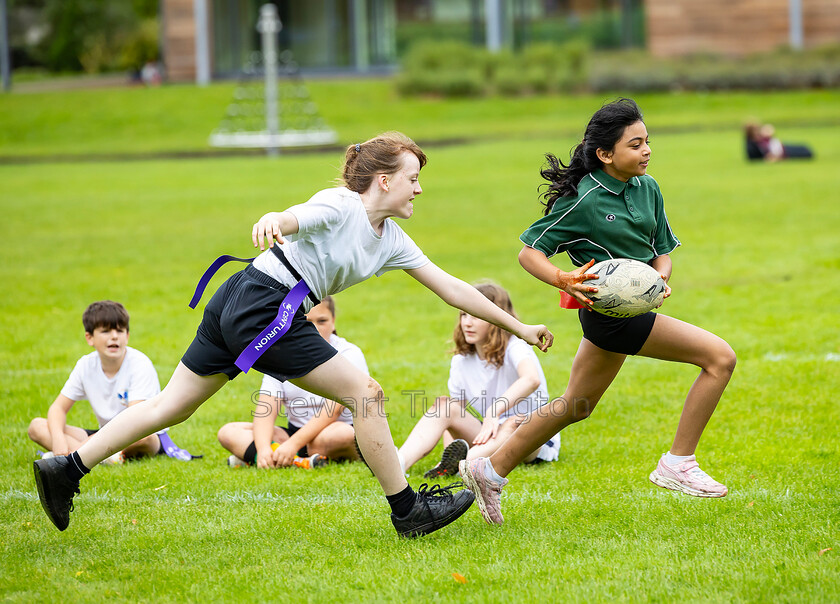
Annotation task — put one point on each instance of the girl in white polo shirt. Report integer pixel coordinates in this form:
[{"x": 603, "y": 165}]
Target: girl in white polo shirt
[
  {"x": 318, "y": 430},
  {"x": 495, "y": 381}
]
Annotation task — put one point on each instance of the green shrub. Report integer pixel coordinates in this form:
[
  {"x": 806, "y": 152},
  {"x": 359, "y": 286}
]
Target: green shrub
[{"x": 457, "y": 69}]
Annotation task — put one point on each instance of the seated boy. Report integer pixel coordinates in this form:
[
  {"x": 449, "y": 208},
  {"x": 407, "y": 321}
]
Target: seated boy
[
  {"x": 112, "y": 378},
  {"x": 319, "y": 430}
]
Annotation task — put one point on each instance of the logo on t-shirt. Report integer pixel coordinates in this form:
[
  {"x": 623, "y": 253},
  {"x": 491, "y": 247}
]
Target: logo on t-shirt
[{"x": 610, "y": 217}]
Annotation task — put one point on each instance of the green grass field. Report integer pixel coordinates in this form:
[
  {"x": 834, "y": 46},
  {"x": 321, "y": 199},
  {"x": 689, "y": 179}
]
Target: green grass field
[{"x": 757, "y": 266}]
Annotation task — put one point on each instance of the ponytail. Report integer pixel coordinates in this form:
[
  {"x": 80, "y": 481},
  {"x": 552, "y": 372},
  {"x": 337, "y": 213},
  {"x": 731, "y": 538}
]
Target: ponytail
[{"x": 604, "y": 130}]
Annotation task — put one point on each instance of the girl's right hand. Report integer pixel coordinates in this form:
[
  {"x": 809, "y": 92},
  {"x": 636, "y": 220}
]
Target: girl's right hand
[
  {"x": 573, "y": 283},
  {"x": 489, "y": 429},
  {"x": 267, "y": 228}
]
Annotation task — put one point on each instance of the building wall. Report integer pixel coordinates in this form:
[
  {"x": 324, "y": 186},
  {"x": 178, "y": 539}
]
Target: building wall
[
  {"x": 178, "y": 35},
  {"x": 735, "y": 27}
]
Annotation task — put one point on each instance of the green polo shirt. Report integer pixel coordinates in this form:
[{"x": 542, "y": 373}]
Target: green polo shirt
[{"x": 607, "y": 219}]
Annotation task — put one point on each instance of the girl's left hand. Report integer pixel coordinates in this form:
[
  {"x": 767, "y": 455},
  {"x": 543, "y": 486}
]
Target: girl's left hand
[
  {"x": 284, "y": 455},
  {"x": 667, "y": 289},
  {"x": 489, "y": 428}
]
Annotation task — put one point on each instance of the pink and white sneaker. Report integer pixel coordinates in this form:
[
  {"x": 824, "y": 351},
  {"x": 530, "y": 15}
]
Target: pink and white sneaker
[
  {"x": 686, "y": 477},
  {"x": 488, "y": 493}
]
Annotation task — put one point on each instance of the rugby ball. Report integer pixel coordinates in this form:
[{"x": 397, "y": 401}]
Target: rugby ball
[{"x": 626, "y": 288}]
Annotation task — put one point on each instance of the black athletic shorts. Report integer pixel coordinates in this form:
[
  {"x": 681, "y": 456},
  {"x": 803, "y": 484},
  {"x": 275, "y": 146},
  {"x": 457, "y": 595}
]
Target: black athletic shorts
[
  {"x": 624, "y": 336},
  {"x": 239, "y": 310}
]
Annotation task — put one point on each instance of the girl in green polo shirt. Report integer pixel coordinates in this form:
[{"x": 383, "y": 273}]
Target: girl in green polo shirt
[{"x": 602, "y": 206}]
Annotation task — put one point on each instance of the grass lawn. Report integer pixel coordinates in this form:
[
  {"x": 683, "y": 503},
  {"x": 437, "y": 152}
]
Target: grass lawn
[{"x": 757, "y": 266}]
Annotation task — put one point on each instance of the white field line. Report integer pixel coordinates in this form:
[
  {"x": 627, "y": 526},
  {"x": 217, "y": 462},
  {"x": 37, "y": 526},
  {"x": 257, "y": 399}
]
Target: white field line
[{"x": 368, "y": 497}]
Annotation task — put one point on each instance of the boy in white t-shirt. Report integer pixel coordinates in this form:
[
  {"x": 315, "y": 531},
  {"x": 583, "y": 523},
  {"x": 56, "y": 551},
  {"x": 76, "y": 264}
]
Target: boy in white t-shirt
[
  {"x": 112, "y": 378},
  {"x": 319, "y": 430}
]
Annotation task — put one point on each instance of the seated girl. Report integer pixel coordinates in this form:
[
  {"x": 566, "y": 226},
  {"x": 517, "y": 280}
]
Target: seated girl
[{"x": 495, "y": 381}]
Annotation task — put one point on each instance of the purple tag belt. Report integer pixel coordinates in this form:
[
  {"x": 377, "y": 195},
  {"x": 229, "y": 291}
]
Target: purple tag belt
[{"x": 281, "y": 323}]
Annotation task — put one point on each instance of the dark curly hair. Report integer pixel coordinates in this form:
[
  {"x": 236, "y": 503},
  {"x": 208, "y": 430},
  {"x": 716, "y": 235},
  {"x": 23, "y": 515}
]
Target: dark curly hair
[{"x": 604, "y": 130}]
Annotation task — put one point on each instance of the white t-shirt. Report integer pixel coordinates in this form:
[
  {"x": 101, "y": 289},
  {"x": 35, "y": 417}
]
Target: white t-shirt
[
  {"x": 336, "y": 247},
  {"x": 480, "y": 383},
  {"x": 302, "y": 406},
  {"x": 136, "y": 380}
]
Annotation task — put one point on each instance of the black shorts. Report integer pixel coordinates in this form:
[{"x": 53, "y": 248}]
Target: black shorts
[
  {"x": 239, "y": 310},
  {"x": 624, "y": 336}
]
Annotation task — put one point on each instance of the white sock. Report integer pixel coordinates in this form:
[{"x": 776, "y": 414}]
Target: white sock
[
  {"x": 673, "y": 460},
  {"x": 490, "y": 472}
]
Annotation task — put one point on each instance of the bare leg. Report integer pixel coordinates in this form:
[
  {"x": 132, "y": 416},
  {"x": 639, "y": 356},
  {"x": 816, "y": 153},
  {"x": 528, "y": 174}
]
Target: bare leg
[
  {"x": 505, "y": 431},
  {"x": 675, "y": 340},
  {"x": 335, "y": 441},
  {"x": 144, "y": 447},
  {"x": 339, "y": 380},
  {"x": 237, "y": 436},
  {"x": 593, "y": 370},
  {"x": 445, "y": 415},
  {"x": 182, "y": 396},
  {"x": 40, "y": 433}
]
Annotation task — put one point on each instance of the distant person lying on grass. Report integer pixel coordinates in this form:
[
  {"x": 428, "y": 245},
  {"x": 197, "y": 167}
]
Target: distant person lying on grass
[
  {"x": 762, "y": 144},
  {"x": 495, "y": 382},
  {"x": 112, "y": 378},
  {"x": 318, "y": 431},
  {"x": 340, "y": 237}
]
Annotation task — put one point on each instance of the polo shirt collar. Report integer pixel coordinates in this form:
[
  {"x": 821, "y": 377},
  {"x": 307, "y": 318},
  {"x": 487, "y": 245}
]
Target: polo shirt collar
[{"x": 613, "y": 185}]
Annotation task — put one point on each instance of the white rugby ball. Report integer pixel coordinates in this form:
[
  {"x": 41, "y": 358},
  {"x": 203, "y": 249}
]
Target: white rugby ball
[{"x": 626, "y": 288}]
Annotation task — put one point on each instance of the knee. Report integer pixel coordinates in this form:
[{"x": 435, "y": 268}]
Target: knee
[
  {"x": 36, "y": 428},
  {"x": 575, "y": 410},
  {"x": 372, "y": 400},
  {"x": 223, "y": 435},
  {"x": 723, "y": 361},
  {"x": 440, "y": 408}
]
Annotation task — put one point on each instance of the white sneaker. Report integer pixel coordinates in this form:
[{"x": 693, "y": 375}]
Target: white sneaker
[{"x": 234, "y": 462}]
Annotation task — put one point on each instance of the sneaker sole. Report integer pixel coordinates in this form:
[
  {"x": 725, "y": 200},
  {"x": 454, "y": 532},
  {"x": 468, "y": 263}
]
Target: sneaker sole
[
  {"x": 39, "y": 482},
  {"x": 674, "y": 485},
  {"x": 453, "y": 454},
  {"x": 439, "y": 524},
  {"x": 472, "y": 485}
]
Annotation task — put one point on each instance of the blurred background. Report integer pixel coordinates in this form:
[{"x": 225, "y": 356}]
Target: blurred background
[{"x": 450, "y": 47}]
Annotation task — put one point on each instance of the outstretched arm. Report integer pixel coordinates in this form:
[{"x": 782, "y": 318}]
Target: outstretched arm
[{"x": 463, "y": 296}]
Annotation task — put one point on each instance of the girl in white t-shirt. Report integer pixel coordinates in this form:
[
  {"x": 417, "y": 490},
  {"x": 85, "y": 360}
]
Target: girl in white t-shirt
[
  {"x": 340, "y": 237},
  {"x": 317, "y": 427},
  {"x": 495, "y": 382}
]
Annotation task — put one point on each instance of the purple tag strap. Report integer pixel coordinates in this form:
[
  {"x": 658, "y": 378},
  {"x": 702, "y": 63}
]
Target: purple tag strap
[
  {"x": 276, "y": 329},
  {"x": 173, "y": 450},
  {"x": 208, "y": 274}
]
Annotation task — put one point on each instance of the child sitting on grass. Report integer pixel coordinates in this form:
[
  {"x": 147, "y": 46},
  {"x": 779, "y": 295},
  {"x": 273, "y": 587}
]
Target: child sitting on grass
[
  {"x": 495, "y": 382},
  {"x": 112, "y": 378}
]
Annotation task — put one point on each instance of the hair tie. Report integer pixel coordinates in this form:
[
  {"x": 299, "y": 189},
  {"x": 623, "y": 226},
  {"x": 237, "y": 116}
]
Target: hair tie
[{"x": 358, "y": 147}]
